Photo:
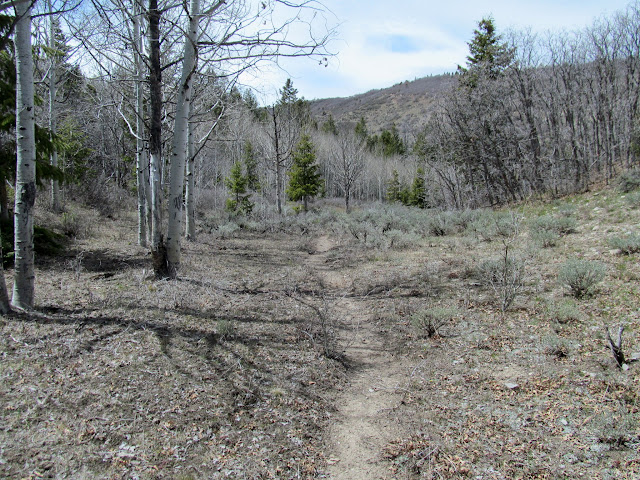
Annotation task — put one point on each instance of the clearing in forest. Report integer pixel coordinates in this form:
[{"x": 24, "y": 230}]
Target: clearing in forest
[{"x": 375, "y": 345}]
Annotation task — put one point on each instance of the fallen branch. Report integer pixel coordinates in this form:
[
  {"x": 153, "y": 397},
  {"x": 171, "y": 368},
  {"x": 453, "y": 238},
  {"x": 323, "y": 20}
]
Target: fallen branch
[{"x": 616, "y": 347}]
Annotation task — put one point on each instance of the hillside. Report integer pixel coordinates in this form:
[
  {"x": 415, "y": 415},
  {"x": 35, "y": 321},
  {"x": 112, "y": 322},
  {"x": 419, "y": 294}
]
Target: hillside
[{"x": 406, "y": 104}]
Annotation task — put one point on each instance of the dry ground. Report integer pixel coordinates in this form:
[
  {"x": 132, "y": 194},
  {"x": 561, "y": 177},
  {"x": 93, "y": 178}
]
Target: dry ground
[{"x": 278, "y": 355}]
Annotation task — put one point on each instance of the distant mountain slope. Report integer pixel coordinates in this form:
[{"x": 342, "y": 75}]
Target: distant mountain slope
[{"x": 405, "y": 104}]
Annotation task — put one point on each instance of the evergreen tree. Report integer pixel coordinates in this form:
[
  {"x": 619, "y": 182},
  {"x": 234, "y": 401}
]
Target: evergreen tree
[
  {"x": 393, "y": 188},
  {"x": 251, "y": 102},
  {"x": 391, "y": 142},
  {"x": 288, "y": 93},
  {"x": 361, "y": 130},
  {"x": 305, "y": 181},
  {"x": 289, "y": 116},
  {"x": 330, "y": 127},
  {"x": 43, "y": 139},
  {"x": 418, "y": 190},
  {"x": 487, "y": 53},
  {"x": 251, "y": 166},
  {"x": 404, "y": 197},
  {"x": 237, "y": 182}
]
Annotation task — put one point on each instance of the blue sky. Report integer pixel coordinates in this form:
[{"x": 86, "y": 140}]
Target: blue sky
[{"x": 380, "y": 42}]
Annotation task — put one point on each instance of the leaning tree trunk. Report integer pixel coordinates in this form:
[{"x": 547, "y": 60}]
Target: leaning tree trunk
[
  {"x": 179, "y": 144},
  {"x": 25, "y": 191},
  {"x": 158, "y": 248}
]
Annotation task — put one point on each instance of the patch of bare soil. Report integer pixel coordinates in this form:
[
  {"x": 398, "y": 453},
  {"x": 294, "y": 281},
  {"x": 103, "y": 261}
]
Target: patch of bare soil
[{"x": 364, "y": 423}]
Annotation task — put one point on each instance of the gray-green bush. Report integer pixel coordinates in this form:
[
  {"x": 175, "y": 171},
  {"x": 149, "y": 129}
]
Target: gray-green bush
[
  {"x": 627, "y": 245},
  {"x": 505, "y": 276},
  {"x": 629, "y": 180},
  {"x": 563, "y": 312},
  {"x": 581, "y": 276},
  {"x": 547, "y": 229}
]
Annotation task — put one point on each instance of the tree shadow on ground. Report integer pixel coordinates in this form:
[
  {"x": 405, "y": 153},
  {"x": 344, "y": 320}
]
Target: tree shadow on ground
[{"x": 104, "y": 261}]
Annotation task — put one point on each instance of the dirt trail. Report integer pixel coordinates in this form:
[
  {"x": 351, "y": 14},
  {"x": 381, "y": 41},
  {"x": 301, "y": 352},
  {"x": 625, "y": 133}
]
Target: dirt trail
[{"x": 365, "y": 422}]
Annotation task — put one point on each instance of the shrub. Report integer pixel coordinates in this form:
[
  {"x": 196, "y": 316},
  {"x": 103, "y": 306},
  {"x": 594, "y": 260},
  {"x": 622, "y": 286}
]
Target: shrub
[
  {"x": 564, "y": 312},
  {"x": 464, "y": 218},
  {"x": 225, "y": 328},
  {"x": 564, "y": 225},
  {"x": 633, "y": 199},
  {"x": 629, "y": 180},
  {"x": 506, "y": 225},
  {"x": 545, "y": 238},
  {"x": 71, "y": 225},
  {"x": 547, "y": 230},
  {"x": 441, "y": 224},
  {"x": 401, "y": 240},
  {"x": 430, "y": 320},
  {"x": 557, "y": 347},
  {"x": 504, "y": 276},
  {"x": 489, "y": 225},
  {"x": 227, "y": 230},
  {"x": 481, "y": 224},
  {"x": 627, "y": 245},
  {"x": 581, "y": 276}
]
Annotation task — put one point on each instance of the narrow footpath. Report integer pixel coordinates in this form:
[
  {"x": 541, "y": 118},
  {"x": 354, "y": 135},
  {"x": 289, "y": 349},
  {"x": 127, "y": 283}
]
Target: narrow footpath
[{"x": 364, "y": 423}]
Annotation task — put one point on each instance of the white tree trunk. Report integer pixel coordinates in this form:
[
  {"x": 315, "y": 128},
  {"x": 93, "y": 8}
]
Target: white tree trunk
[
  {"x": 55, "y": 187},
  {"x": 142, "y": 161},
  {"x": 158, "y": 250},
  {"x": 25, "y": 191},
  {"x": 179, "y": 144},
  {"x": 190, "y": 226}
]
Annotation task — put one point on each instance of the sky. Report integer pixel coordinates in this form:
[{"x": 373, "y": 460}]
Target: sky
[{"x": 379, "y": 43}]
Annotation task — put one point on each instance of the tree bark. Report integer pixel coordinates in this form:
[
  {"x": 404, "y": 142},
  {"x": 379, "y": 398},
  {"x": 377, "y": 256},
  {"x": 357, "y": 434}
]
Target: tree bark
[
  {"x": 25, "y": 191},
  {"x": 158, "y": 249},
  {"x": 278, "y": 160},
  {"x": 55, "y": 187},
  {"x": 190, "y": 226},
  {"x": 179, "y": 144},
  {"x": 5, "y": 306},
  {"x": 141, "y": 158}
]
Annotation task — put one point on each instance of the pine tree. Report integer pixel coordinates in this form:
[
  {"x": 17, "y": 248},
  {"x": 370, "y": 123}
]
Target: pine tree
[
  {"x": 361, "y": 130},
  {"x": 251, "y": 166},
  {"x": 393, "y": 188},
  {"x": 305, "y": 180},
  {"x": 487, "y": 53},
  {"x": 392, "y": 144},
  {"x": 418, "y": 190},
  {"x": 330, "y": 127},
  {"x": 236, "y": 182}
]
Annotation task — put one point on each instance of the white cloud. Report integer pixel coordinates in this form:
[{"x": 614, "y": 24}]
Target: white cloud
[{"x": 382, "y": 43}]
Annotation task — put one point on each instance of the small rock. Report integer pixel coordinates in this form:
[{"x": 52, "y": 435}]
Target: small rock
[{"x": 512, "y": 386}]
